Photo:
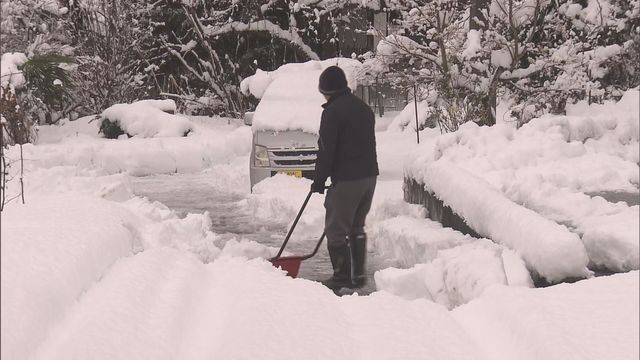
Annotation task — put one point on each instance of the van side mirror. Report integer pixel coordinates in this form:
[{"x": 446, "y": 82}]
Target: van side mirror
[{"x": 248, "y": 118}]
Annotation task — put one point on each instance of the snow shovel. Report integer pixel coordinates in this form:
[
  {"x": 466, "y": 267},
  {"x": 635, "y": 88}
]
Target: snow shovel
[{"x": 291, "y": 264}]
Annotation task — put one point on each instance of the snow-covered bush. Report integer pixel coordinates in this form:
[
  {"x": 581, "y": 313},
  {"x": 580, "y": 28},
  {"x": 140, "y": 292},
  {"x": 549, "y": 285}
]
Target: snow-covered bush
[
  {"x": 144, "y": 119},
  {"x": 545, "y": 54}
]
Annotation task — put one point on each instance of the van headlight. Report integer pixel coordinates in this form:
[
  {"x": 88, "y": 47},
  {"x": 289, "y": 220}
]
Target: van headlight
[{"x": 261, "y": 158}]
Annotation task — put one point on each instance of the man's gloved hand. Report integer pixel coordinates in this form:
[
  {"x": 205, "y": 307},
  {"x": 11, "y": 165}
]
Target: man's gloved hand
[{"x": 317, "y": 187}]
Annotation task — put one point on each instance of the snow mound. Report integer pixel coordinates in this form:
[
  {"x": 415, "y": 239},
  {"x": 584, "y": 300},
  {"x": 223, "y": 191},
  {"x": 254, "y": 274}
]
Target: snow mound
[
  {"x": 457, "y": 275},
  {"x": 85, "y": 127},
  {"x": 558, "y": 322},
  {"x": 159, "y": 226},
  {"x": 269, "y": 204},
  {"x": 53, "y": 250},
  {"x": 190, "y": 310},
  {"x": 139, "y": 156},
  {"x": 147, "y": 119},
  {"x": 406, "y": 241},
  {"x": 549, "y": 249}
]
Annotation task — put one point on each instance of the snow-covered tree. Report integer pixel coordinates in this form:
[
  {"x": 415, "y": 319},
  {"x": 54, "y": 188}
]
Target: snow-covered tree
[
  {"x": 108, "y": 37},
  {"x": 541, "y": 52},
  {"x": 35, "y": 29}
]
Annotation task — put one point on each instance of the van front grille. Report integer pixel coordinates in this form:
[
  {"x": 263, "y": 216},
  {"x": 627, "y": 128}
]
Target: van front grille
[
  {"x": 296, "y": 152},
  {"x": 295, "y": 162},
  {"x": 294, "y": 157}
]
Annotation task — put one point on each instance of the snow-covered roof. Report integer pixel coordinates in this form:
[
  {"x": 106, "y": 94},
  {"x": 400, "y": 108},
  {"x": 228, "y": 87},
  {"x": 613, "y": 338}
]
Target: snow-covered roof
[{"x": 290, "y": 99}]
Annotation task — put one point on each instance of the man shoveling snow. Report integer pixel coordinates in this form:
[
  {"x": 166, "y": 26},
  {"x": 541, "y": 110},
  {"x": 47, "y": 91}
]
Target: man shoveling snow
[{"x": 347, "y": 154}]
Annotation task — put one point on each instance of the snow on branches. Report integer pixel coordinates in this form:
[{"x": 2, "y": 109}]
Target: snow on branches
[{"x": 543, "y": 53}]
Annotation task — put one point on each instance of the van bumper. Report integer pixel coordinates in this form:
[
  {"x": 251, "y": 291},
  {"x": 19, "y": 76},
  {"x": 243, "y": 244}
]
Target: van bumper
[{"x": 257, "y": 174}]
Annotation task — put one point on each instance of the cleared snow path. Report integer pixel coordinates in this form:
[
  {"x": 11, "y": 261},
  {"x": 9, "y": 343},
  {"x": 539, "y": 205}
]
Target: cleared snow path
[{"x": 197, "y": 193}]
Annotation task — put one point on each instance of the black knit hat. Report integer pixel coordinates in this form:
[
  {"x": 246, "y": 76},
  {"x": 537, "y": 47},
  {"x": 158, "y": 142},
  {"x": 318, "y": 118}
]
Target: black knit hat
[{"x": 332, "y": 81}]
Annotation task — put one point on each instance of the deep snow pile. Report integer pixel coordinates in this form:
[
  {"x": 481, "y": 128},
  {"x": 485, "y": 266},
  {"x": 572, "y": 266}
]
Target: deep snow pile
[
  {"x": 457, "y": 275},
  {"x": 550, "y": 165},
  {"x": 53, "y": 250}
]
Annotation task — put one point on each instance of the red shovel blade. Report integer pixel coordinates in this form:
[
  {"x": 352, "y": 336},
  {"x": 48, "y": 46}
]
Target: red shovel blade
[{"x": 290, "y": 264}]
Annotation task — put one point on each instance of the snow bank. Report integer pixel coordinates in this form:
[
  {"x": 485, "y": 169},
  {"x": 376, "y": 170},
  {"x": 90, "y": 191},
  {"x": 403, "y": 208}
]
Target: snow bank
[
  {"x": 54, "y": 249},
  {"x": 188, "y": 310},
  {"x": 457, "y": 275},
  {"x": 289, "y": 95},
  {"x": 406, "y": 240},
  {"x": 548, "y": 249},
  {"x": 208, "y": 145},
  {"x": 148, "y": 118},
  {"x": 159, "y": 226},
  {"x": 268, "y": 203},
  {"x": 589, "y": 320},
  {"x": 551, "y": 164},
  {"x": 609, "y": 231},
  {"x": 85, "y": 127}
]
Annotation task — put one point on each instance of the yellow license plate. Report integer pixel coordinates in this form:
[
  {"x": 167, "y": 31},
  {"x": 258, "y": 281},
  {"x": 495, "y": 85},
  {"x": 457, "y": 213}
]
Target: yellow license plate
[{"x": 296, "y": 173}]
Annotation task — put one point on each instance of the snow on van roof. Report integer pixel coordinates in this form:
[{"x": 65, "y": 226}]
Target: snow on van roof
[{"x": 289, "y": 96}]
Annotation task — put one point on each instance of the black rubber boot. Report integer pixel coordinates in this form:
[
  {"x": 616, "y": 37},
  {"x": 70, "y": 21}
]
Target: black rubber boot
[
  {"x": 358, "y": 245},
  {"x": 341, "y": 262}
]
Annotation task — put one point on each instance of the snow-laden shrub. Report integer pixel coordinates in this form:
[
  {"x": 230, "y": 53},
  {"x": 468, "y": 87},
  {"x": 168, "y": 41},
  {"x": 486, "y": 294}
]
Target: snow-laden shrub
[{"x": 146, "y": 118}]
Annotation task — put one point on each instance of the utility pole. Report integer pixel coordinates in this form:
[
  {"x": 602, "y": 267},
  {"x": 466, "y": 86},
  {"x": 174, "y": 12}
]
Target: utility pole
[{"x": 415, "y": 104}]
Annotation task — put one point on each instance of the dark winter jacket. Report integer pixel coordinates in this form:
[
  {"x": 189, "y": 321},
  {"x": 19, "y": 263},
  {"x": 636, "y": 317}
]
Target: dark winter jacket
[{"x": 347, "y": 143}]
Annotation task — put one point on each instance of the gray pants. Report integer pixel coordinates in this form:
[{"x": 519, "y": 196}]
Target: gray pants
[{"x": 347, "y": 204}]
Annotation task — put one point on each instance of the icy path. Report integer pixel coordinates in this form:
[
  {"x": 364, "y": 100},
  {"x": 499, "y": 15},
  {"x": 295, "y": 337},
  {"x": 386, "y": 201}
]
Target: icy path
[{"x": 165, "y": 304}]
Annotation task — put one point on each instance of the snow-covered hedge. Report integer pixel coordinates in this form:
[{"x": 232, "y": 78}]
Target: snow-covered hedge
[
  {"x": 548, "y": 248},
  {"x": 550, "y": 166},
  {"x": 147, "y": 118}
]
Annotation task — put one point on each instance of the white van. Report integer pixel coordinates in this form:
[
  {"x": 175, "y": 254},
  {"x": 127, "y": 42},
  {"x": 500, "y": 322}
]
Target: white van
[{"x": 286, "y": 121}]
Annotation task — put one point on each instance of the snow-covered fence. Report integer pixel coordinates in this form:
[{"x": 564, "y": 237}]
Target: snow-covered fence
[
  {"x": 414, "y": 193},
  {"x": 550, "y": 250}
]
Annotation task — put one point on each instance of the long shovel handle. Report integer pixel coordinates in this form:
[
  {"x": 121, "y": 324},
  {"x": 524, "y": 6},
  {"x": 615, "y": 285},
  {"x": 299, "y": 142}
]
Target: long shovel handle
[
  {"x": 295, "y": 222},
  {"x": 316, "y": 249}
]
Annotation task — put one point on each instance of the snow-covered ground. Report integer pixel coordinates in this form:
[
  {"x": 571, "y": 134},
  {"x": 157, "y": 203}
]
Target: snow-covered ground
[{"x": 90, "y": 271}]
